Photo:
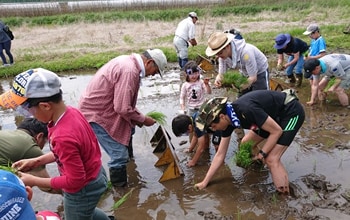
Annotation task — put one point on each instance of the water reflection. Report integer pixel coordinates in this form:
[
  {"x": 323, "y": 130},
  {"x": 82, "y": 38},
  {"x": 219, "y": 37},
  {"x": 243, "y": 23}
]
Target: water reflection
[{"x": 234, "y": 191}]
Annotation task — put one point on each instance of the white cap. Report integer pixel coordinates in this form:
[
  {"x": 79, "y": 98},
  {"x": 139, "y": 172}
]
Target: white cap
[
  {"x": 33, "y": 83},
  {"x": 193, "y": 14},
  {"x": 159, "y": 58}
]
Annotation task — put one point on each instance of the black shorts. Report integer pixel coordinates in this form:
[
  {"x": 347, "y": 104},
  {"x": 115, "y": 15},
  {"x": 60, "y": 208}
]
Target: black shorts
[{"x": 290, "y": 120}]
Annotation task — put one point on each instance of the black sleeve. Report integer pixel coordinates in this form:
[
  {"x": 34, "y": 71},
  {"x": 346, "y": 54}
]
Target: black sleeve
[{"x": 228, "y": 131}]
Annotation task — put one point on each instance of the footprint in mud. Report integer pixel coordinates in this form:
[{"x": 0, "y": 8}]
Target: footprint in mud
[{"x": 211, "y": 215}]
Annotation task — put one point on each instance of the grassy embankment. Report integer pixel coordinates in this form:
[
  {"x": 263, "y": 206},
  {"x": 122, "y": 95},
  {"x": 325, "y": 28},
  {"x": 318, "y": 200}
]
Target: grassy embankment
[{"x": 328, "y": 13}]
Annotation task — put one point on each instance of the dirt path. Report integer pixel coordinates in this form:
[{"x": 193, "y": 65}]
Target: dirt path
[{"x": 125, "y": 35}]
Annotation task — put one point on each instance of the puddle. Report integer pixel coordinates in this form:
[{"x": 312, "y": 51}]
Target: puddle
[{"x": 321, "y": 148}]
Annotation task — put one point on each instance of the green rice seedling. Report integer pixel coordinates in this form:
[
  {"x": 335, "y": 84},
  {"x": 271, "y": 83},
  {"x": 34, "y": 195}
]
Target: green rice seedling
[
  {"x": 243, "y": 156},
  {"x": 274, "y": 199},
  {"x": 8, "y": 168},
  {"x": 234, "y": 78},
  {"x": 122, "y": 200},
  {"x": 239, "y": 214},
  {"x": 159, "y": 117},
  {"x": 330, "y": 84}
]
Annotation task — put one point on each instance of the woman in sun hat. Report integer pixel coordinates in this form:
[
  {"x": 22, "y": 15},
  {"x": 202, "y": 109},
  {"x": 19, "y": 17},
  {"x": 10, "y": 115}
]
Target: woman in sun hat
[
  {"x": 236, "y": 53},
  {"x": 295, "y": 49}
]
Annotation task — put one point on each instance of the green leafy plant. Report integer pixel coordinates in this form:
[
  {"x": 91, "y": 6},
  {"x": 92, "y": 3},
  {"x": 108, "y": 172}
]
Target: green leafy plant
[
  {"x": 234, "y": 78},
  {"x": 159, "y": 117},
  {"x": 243, "y": 156},
  {"x": 8, "y": 168},
  {"x": 330, "y": 84}
]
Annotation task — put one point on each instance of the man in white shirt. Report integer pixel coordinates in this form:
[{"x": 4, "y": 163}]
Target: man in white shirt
[{"x": 185, "y": 35}]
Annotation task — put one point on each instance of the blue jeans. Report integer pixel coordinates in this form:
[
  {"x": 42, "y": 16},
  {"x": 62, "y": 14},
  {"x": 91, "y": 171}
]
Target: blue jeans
[
  {"x": 82, "y": 205},
  {"x": 298, "y": 65},
  {"x": 118, "y": 152}
]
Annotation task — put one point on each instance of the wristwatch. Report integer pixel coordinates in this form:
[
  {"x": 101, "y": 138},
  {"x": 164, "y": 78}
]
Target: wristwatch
[{"x": 263, "y": 153}]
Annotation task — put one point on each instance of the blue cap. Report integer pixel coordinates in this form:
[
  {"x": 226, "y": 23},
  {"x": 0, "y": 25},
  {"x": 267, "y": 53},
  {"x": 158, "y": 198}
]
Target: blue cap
[{"x": 14, "y": 203}]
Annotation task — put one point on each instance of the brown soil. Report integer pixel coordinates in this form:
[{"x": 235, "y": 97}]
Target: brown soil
[{"x": 317, "y": 163}]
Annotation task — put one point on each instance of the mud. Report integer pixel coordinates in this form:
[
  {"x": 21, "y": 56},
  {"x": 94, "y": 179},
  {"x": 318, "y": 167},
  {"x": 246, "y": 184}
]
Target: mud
[{"x": 317, "y": 163}]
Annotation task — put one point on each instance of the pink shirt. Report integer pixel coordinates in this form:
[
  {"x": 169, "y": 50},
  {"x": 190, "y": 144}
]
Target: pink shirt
[
  {"x": 76, "y": 150},
  {"x": 192, "y": 94},
  {"x": 110, "y": 98}
]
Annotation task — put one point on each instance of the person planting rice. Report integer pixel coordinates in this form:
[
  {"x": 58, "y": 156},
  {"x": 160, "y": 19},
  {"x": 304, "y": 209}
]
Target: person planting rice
[
  {"x": 270, "y": 115},
  {"x": 73, "y": 144},
  {"x": 236, "y": 53},
  {"x": 185, "y": 125},
  {"x": 330, "y": 66}
]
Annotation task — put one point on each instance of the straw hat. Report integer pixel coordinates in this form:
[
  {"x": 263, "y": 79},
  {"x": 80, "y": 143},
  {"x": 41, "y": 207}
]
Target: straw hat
[{"x": 218, "y": 41}]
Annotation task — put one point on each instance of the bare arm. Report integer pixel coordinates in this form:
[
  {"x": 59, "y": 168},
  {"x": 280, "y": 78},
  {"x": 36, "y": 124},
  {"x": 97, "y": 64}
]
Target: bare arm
[
  {"x": 30, "y": 180},
  {"x": 280, "y": 59},
  {"x": 295, "y": 59},
  {"x": 207, "y": 86},
  {"x": 44, "y": 174},
  {"x": 318, "y": 56},
  {"x": 218, "y": 160},
  {"x": 218, "y": 80},
  {"x": 251, "y": 80},
  {"x": 29, "y": 164},
  {"x": 314, "y": 91},
  {"x": 193, "y": 42},
  {"x": 203, "y": 143},
  {"x": 275, "y": 131}
]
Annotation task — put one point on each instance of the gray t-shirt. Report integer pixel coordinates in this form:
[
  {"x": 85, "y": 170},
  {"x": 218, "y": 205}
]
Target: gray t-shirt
[{"x": 337, "y": 65}]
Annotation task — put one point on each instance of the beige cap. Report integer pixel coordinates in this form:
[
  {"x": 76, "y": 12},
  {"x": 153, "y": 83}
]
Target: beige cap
[{"x": 159, "y": 58}]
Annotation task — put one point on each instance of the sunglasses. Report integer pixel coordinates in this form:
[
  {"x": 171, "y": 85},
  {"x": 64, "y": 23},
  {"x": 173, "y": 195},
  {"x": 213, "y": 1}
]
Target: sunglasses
[{"x": 193, "y": 71}]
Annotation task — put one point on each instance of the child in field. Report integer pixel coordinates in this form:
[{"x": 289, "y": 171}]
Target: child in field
[
  {"x": 194, "y": 89},
  {"x": 184, "y": 124},
  {"x": 73, "y": 144},
  {"x": 14, "y": 200},
  {"x": 192, "y": 95},
  {"x": 318, "y": 44}
]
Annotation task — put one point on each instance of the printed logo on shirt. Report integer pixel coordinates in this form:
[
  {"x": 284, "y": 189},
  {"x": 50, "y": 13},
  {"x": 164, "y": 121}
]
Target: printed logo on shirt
[{"x": 246, "y": 57}]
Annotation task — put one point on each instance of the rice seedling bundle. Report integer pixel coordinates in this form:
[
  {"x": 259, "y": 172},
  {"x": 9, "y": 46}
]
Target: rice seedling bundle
[
  {"x": 243, "y": 156},
  {"x": 159, "y": 117},
  {"x": 234, "y": 78},
  {"x": 330, "y": 84},
  {"x": 9, "y": 169}
]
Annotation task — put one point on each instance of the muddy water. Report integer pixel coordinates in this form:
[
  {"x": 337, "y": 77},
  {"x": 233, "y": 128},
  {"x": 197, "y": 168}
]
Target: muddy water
[{"x": 317, "y": 162}]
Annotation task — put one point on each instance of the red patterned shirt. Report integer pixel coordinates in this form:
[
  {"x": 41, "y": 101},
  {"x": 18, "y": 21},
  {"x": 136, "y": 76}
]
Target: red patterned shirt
[{"x": 110, "y": 98}]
